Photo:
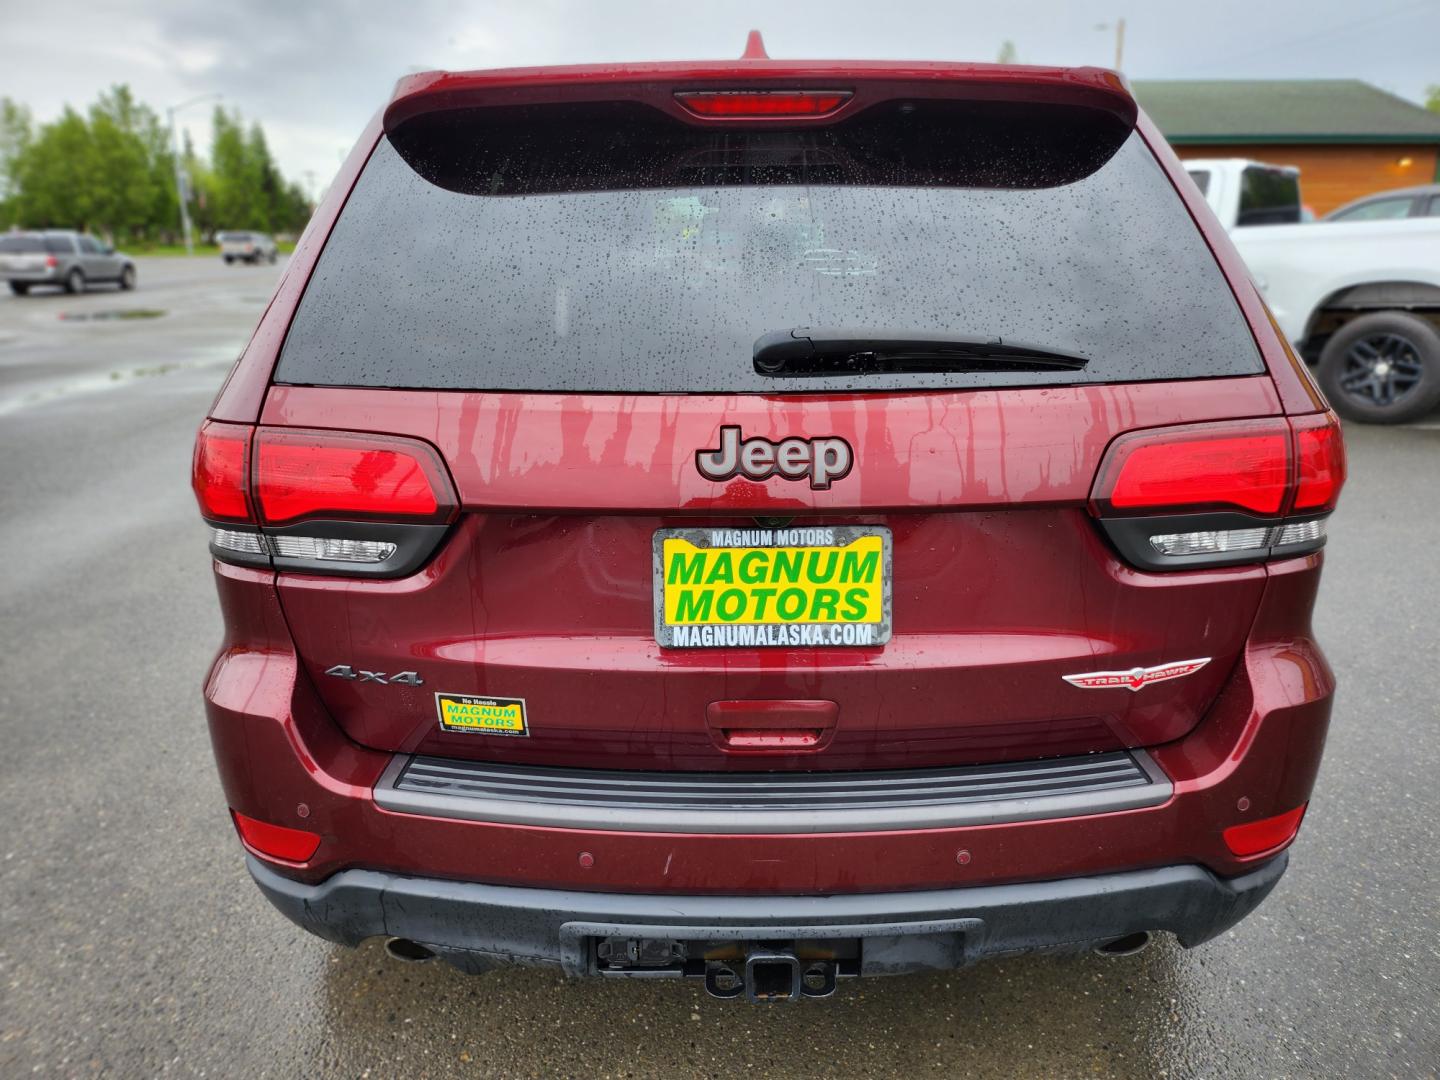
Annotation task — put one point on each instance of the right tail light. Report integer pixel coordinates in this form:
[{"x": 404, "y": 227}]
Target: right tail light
[
  {"x": 327, "y": 502},
  {"x": 1220, "y": 494}
]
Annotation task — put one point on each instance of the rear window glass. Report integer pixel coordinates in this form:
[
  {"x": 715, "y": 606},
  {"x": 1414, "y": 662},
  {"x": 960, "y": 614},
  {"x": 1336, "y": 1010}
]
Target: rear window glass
[
  {"x": 1268, "y": 197},
  {"x": 31, "y": 244},
  {"x": 628, "y": 252},
  {"x": 1202, "y": 180}
]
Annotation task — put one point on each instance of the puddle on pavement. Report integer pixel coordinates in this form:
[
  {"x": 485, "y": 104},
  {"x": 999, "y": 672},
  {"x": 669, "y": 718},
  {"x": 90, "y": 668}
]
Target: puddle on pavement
[{"x": 219, "y": 357}]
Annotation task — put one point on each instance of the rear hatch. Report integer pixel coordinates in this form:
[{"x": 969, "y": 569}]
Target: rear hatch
[
  {"x": 969, "y": 288},
  {"x": 236, "y": 243},
  {"x": 23, "y": 252}
]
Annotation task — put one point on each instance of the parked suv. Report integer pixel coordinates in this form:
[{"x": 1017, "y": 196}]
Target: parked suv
[
  {"x": 70, "y": 260},
  {"x": 766, "y": 522},
  {"x": 248, "y": 247}
]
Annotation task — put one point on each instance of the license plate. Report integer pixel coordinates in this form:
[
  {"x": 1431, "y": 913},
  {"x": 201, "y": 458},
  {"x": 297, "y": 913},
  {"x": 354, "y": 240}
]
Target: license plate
[{"x": 797, "y": 587}]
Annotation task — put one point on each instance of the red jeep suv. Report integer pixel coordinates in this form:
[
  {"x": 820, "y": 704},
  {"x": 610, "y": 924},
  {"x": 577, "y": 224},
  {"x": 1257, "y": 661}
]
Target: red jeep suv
[{"x": 766, "y": 522}]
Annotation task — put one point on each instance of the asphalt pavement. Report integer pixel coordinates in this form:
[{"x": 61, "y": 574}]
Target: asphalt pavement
[{"x": 132, "y": 942}]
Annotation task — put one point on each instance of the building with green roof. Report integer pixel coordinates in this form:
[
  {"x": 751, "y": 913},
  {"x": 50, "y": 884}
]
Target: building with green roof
[{"x": 1348, "y": 138}]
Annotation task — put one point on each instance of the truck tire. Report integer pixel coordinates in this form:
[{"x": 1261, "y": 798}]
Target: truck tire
[
  {"x": 1382, "y": 368},
  {"x": 75, "y": 281}
]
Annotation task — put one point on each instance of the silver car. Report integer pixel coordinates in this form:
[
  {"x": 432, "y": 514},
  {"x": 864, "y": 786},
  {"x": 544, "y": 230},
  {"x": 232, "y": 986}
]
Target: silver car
[
  {"x": 248, "y": 247},
  {"x": 72, "y": 261},
  {"x": 1413, "y": 202}
]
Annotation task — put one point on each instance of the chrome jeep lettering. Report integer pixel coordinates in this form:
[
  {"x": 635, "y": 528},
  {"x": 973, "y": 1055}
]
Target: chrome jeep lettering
[{"x": 824, "y": 460}]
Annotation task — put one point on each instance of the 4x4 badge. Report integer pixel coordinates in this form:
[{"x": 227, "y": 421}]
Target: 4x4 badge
[
  {"x": 1136, "y": 678},
  {"x": 823, "y": 460},
  {"x": 345, "y": 671}
]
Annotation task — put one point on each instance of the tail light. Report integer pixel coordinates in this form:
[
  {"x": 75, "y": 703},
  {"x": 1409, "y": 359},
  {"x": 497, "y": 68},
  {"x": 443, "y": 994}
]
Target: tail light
[
  {"x": 321, "y": 501},
  {"x": 51, "y": 262},
  {"x": 1220, "y": 494},
  {"x": 222, "y": 460}
]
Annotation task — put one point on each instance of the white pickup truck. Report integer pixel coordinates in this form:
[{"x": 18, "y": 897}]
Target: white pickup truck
[{"x": 1360, "y": 300}]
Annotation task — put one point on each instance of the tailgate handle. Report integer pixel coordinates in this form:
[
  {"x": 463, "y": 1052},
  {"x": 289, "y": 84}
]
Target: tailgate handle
[{"x": 768, "y": 725}]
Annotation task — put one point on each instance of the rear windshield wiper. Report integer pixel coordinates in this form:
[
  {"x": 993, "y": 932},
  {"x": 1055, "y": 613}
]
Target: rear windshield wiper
[{"x": 813, "y": 350}]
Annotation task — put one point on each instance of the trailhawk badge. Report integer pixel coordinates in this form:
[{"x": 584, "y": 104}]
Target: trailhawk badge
[
  {"x": 823, "y": 460},
  {"x": 1136, "y": 678}
]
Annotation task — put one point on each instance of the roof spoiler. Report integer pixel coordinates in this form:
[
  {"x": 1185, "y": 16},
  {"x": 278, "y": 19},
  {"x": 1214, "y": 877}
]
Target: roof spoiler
[{"x": 866, "y": 81}]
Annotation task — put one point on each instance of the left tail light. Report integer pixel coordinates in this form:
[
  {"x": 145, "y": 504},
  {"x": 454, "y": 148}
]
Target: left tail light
[
  {"x": 1220, "y": 494},
  {"x": 329, "y": 502}
]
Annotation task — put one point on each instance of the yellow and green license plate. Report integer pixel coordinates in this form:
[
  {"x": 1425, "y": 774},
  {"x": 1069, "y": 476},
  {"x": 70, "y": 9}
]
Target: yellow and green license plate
[{"x": 798, "y": 587}]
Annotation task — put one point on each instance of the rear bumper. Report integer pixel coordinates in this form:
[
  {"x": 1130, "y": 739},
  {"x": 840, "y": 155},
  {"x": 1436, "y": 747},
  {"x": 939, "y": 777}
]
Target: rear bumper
[
  {"x": 283, "y": 760},
  {"x": 474, "y": 925}
]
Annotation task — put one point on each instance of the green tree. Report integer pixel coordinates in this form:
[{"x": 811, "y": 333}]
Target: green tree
[
  {"x": 239, "y": 202},
  {"x": 54, "y": 189},
  {"x": 202, "y": 190},
  {"x": 112, "y": 170},
  {"x": 1007, "y": 53},
  {"x": 1432, "y": 97},
  {"x": 135, "y": 192},
  {"x": 296, "y": 209},
  {"x": 15, "y": 135},
  {"x": 108, "y": 171}
]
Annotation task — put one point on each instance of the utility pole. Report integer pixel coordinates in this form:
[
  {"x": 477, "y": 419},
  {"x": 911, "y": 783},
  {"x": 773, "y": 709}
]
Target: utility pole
[
  {"x": 1119, "y": 27},
  {"x": 182, "y": 187}
]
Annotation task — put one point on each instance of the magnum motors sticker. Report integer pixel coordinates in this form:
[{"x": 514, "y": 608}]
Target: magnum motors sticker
[
  {"x": 817, "y": 587},
  {"x": 481, "y": 715},
  {"x": 1136, "y": 678}
]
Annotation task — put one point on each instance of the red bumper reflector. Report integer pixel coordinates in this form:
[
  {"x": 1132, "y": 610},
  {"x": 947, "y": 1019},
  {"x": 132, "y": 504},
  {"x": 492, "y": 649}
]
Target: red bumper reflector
[
  {"x": 742, "y": 104},
  {"x": 276, "y": 841},
  {"x": 1267, "y": 834}
]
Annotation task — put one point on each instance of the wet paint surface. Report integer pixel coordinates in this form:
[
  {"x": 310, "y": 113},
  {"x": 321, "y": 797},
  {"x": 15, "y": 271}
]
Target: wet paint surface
[{"x": 134, "y": 943}]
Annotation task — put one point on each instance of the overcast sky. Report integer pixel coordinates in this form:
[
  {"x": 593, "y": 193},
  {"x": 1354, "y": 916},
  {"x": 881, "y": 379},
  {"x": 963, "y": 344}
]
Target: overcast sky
[{"x": 313, "y": 71}]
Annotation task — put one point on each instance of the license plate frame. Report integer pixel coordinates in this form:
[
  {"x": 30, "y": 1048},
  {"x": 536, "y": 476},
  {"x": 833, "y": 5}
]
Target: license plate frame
[{"x": 778, "y": 633}]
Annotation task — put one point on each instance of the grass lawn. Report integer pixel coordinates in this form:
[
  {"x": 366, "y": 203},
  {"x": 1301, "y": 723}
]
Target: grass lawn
[{"x": 209, "y": 251}]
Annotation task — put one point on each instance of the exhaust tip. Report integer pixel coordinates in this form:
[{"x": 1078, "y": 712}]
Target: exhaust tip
[
  {"x": 1128, "y": 945},
  {"x": 411, "y": 952}
]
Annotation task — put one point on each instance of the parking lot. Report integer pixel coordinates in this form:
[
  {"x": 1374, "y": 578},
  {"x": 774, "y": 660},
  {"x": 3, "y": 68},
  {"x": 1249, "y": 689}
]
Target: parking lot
[{"x": 133, "y": 943}]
